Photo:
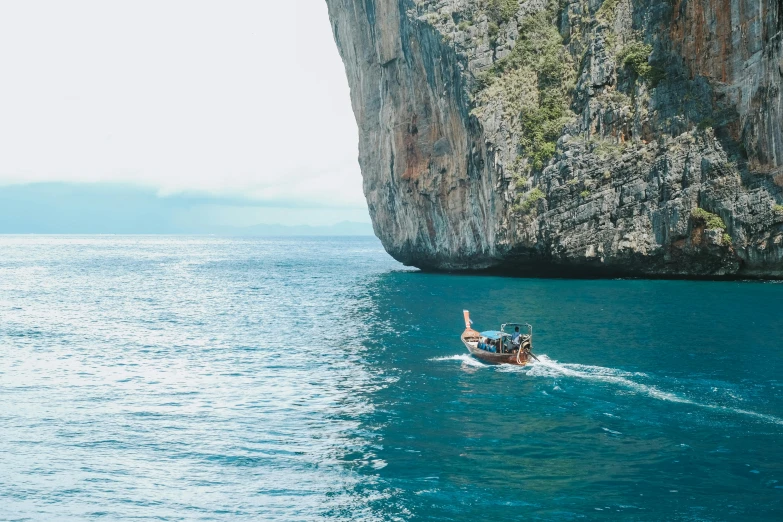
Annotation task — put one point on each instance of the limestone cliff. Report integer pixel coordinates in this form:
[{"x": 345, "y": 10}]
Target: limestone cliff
[{"x": 614, "y": 137}]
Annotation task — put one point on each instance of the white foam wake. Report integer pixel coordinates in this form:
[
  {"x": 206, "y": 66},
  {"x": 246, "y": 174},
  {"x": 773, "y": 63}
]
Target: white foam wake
[
  {"x": 466, "y": 359},
  {"x": 547, "y": 367}
]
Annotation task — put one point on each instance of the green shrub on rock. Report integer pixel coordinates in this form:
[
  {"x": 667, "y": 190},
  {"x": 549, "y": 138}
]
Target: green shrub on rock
[
  {"x": 494, "y": 31},
  {"x": 519, "y": 180},
  {"x": 526, "y": 202},
  {"x": 636, "y": 57},
  {"x": 502, "y": 11},
  {"x": 607, "y": 11},
  {"x": 710, "y": 220}
]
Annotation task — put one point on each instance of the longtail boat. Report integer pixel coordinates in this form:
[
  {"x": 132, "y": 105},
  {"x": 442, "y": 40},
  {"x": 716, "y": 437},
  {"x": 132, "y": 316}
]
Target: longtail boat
[{"x": 499, "y": 346}]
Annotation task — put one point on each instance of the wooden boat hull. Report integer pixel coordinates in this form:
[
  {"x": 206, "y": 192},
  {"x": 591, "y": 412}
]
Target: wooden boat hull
[{"x": 496, "y": 358}]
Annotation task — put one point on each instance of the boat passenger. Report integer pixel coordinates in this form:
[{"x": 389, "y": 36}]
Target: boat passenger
[{"x": 516, "y": 338}]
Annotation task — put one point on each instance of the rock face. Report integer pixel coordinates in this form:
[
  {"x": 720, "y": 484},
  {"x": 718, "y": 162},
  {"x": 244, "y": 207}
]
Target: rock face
[{"x": 571, "y": 137}]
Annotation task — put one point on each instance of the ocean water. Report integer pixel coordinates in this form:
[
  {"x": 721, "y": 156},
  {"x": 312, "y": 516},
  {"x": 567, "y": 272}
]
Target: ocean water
[{"x": 176, "y": 378}]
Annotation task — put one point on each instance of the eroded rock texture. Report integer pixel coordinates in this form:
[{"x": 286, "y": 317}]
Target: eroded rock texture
[{"x": 614, "y": 137}]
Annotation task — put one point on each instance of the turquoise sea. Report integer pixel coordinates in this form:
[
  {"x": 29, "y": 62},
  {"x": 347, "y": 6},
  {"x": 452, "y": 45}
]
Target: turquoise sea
[{"x": 187, "y": 378}]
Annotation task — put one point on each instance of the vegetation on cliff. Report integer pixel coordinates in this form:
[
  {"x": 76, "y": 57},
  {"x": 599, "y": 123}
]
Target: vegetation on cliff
[
  {"x": 710, "y": 220},
  {"x": 532, "y": 86},
  {"x": 636, "y": 57},
  {"x": 606, "y": 13},
  {"x": 527, "y": 201},
  {"x": 501, "y": 11}
]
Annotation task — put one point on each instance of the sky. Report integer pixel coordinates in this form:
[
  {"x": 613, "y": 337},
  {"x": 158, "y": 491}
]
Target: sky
[{"x": 242, "y": 102}]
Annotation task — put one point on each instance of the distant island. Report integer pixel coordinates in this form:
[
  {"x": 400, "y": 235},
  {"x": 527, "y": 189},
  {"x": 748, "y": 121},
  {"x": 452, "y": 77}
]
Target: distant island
[
  {"x": 107, "y": 208},
  {"x": 345, "y": 228}
]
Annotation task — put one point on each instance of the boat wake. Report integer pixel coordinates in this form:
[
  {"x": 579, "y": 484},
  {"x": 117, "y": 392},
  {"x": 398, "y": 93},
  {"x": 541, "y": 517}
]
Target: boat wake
[
  {"x": 466, "y": 359},
  {"x": 546, "y": 367}
]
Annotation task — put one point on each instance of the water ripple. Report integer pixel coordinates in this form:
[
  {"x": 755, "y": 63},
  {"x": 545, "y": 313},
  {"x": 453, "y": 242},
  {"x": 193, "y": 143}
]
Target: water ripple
[{"x": 178, "y": 378}]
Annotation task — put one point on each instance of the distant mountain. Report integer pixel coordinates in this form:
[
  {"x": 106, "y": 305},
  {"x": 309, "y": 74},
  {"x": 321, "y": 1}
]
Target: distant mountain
[
  {"x": 106, "y": 208},
  {"x": 345, "y": 228}
]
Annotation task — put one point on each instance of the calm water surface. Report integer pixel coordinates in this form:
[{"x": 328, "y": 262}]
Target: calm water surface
[{"x": 171, "y": 378}]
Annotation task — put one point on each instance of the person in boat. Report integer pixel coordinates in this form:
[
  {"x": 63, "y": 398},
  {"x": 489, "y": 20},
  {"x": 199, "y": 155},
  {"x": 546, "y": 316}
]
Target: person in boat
[{"x": 516, "y": 338}]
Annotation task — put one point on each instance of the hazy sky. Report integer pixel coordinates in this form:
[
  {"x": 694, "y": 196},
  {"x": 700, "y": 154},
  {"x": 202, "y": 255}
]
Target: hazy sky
[{"x": 237, "y": 98}]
